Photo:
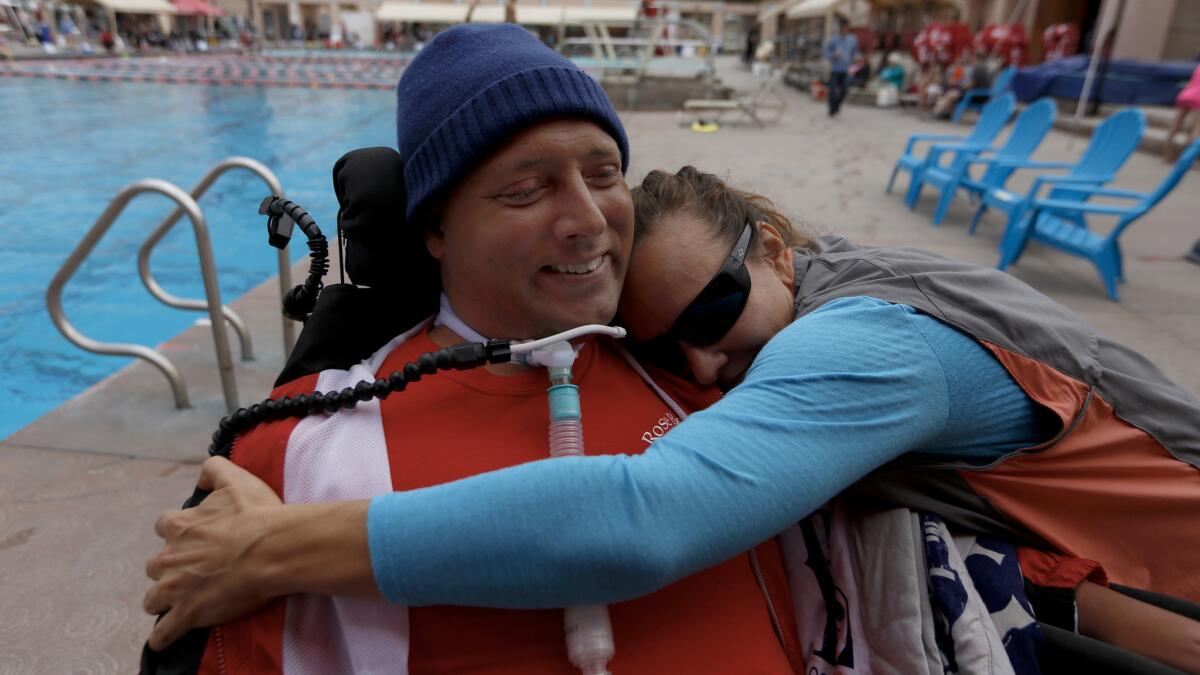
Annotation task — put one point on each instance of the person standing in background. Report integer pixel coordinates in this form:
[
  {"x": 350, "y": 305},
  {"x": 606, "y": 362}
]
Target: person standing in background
[
  {"x": 840, "y": 50},
  {"x": 751, "y": 45},
  {"x": 1186, "y": 104}
]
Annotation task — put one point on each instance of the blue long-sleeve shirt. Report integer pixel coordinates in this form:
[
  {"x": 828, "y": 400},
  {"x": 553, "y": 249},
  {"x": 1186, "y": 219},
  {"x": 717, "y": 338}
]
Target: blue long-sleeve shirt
[
  {"x": 838, "y": 393},
  {"x": 840, "y": 51}
]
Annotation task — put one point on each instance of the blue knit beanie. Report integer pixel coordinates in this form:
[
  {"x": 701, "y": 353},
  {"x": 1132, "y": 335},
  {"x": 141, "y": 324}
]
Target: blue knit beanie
[{"x": 471, "y": 89}]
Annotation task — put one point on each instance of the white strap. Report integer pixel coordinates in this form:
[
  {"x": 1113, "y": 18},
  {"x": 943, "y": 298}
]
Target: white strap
[{"x": 450, "y": 320}]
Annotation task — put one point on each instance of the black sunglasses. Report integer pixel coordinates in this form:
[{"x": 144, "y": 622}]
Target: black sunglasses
[{"x": 711, "y": 314}]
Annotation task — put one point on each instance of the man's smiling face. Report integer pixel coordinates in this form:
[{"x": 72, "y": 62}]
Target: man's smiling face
[{"x": 537, "y": 238}]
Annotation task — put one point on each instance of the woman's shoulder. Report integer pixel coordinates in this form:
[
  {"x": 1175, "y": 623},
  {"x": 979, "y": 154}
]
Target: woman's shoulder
[
  {"x": 846, "y": 317},
  {"x": 850, "y": 311},
  {"x": 848, "y": 328}
]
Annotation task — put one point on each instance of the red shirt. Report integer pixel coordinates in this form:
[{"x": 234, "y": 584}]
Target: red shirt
[
  {"x": 715, "y": 621},
  {"x": 459, "y": 423}
]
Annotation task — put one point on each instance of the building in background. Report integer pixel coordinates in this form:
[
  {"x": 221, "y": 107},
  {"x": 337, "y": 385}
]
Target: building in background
[{"x": 1148, "y": 30}]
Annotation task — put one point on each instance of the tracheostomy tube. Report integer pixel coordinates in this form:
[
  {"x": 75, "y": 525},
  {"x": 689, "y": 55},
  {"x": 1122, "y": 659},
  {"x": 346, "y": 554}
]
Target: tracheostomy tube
[{"x": 587, "y": 628}]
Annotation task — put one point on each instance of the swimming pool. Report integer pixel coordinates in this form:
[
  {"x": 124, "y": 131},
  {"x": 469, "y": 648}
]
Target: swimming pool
[
  {"x": 66, "y": 148},
  {"x": 271, "y": 69}
]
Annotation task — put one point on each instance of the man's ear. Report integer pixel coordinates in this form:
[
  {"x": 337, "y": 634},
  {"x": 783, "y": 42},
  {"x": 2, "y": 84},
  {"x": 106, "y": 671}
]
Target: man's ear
[
  {"x": 435, "y": 243},
  {"x": 776, "y": 251},
  {"x": 435, "y": 239}
]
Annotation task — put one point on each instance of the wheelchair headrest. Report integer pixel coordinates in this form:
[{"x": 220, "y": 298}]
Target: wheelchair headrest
[
  {"x": 382, "y": 249},
  {"x": 384, "y": 254}
]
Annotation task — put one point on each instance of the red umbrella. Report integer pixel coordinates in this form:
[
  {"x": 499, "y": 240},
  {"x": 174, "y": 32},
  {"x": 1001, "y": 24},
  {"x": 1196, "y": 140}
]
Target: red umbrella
[
  {"x": 1006, "y": 41},
  {"x": 941, "y": 42},
  {"x": 1059, "y": 40},
  {"x": 196, "y": 8}
]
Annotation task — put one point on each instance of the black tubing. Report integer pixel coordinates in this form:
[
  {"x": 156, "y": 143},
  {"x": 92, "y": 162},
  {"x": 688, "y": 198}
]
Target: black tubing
[
  {"x": 462, "y": 356},
  {"x": 298, "y": 303}
]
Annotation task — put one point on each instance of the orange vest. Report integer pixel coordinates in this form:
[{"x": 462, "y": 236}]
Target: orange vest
[{"x": 1119, "y": 483}]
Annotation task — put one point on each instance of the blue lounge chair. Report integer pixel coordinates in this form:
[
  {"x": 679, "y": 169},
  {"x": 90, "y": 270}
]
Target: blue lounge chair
[
  {"x": 1045, "y": 222},
  {"x": 995, "y": 116},
  {"x": 974, "y": 98},
  {"x": 1027, "y": 133},
  {"x": 1111, "y": 145}
]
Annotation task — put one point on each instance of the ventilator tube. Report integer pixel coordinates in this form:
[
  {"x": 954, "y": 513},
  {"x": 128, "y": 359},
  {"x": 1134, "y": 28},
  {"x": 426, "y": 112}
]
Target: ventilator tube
[
  {"x": 589, "y": 638},
  {"x": 587, "y": 628}
]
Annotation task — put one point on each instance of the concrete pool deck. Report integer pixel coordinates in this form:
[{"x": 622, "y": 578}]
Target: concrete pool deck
[{"x": 80, "y": 487}]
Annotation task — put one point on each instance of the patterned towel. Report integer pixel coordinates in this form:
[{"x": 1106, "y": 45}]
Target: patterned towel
[{"x": 893, "y": 592}]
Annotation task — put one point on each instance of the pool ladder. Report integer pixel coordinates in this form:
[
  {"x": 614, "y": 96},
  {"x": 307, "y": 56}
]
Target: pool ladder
[{"x": 218, "y": 314}]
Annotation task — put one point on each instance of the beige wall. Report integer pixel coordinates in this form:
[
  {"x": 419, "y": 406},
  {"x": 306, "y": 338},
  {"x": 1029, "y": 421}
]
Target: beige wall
[
  {"x": 1183, "y": 37},
  {"x": 1159, "y": 29},
  {"x": 999, "y": 11},
  {"x": 1143, "y": 28}
]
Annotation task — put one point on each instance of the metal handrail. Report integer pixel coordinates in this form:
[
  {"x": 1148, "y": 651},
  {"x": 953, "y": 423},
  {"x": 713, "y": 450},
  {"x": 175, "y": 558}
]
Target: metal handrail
[
  {"x": 659, "y": 39},
  {"x": 285, "y": 268},
  {"x": 603, "y": 47},
  {"x": 207, "y": 270}
]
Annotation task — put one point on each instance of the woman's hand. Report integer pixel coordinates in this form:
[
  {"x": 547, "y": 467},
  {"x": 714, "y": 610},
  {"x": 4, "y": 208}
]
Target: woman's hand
[
  {"x": 206, "y": 572},
  {"x": 242, "y": 547}
]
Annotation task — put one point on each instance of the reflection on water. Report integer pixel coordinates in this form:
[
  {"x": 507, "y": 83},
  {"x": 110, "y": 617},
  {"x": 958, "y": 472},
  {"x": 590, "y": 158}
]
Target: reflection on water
[{"x": 67, "y": 147}]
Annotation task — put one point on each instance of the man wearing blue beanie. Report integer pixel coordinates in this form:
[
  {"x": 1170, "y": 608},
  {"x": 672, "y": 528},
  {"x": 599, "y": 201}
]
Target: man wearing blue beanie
[
  {"x": 514, "y": 165},
  {"x": 460, "y": 100}
]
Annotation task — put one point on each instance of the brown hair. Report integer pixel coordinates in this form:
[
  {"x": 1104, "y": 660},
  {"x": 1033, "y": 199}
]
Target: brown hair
[{"x": 706, "y": 196}]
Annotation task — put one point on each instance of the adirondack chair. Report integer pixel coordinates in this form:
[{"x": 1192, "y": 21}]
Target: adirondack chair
[
  {"x": 1027, "y": 133},
  {"x": 1045, "y": 223},
  {"x": 1111, "y": 145},
  {"x": 995, "y": 116},
  {"x": 972, "y": 98}
]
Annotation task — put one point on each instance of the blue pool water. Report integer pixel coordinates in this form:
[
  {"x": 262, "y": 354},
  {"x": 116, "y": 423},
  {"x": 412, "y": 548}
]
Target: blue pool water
[{"x": 66, "y": 148}]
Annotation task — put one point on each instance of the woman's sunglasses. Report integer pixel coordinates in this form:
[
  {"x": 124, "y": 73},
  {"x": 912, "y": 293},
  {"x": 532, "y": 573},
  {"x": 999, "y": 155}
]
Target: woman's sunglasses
[{"x": 711, "y": 315}]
